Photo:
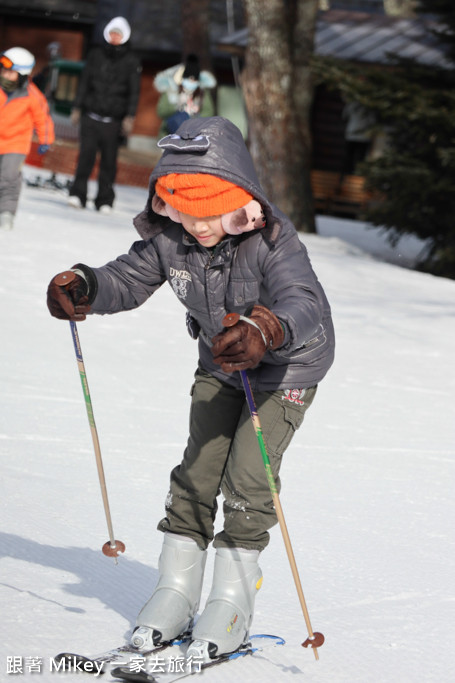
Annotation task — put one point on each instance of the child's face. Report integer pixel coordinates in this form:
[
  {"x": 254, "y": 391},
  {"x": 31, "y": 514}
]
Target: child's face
[{"x": 208, "y": 231}]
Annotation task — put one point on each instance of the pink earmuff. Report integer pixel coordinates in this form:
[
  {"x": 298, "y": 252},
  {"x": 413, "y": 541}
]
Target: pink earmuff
[
  {"x": 164, "y": 209},
  {"x": 249, "y": 217}
]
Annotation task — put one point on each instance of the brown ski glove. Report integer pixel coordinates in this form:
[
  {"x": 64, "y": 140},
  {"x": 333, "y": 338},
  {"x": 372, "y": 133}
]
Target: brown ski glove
[
  {"x": 245, "y": 340},
  {"x": 67, "y": 297}
]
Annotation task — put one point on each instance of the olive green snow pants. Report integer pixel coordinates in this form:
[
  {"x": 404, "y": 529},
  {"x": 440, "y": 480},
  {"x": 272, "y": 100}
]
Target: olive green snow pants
[{"x": 222, "y": 455}]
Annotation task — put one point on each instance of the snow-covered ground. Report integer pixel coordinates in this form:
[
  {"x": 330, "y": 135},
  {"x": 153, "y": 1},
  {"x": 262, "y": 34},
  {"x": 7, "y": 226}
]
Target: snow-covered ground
[{"x": 368, "y": 483}]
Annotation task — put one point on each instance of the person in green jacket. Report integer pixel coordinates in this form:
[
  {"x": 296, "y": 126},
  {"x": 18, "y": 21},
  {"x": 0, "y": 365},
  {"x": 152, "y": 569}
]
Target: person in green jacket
[{"x": 184, "y": 94}]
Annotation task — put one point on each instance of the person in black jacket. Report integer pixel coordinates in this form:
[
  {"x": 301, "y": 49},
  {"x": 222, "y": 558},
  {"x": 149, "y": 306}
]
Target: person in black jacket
[{"x": 105, "y": 107}]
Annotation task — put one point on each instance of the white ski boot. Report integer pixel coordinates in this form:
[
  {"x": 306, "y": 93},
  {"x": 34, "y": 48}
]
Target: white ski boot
[
  {"x": 224, "y": 623},
  {"x": 6, "y": 220},
  {"x": 169, "y": 612}
]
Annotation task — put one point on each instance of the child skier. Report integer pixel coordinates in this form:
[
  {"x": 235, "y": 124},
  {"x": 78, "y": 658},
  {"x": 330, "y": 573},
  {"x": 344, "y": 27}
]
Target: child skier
[
  {"x": 209, "y": 230},
  {"x": 23, "y": 109}
]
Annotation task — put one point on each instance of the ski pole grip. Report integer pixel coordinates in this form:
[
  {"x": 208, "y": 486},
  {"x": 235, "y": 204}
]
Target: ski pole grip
[
  {"x": 231, "y": 319},
  {"x": 64, "y": 279}
]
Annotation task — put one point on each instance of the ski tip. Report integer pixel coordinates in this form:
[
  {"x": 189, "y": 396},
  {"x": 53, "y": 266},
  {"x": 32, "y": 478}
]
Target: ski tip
[
  {"x": 125, "y": 674},
  {"x": 278, "y": 639},
  {"x": 68, "y": 662},
  {"x": 71, "y": 657}
]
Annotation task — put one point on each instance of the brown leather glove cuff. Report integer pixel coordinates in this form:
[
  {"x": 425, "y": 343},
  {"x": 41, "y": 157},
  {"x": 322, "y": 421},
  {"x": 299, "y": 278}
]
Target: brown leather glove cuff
[{"x": 269, "y": 325}]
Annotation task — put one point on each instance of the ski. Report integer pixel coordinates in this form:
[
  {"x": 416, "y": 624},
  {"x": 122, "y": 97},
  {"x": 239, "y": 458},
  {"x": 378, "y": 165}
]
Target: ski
[
  {"x": 51, "y": 183},
  {"x": 66, "y": 662},
  {"x": 153, "y": 671}
]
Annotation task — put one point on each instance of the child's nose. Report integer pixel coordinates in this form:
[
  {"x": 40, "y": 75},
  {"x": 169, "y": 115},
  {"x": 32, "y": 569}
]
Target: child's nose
[{"x": 200, "y": 226}]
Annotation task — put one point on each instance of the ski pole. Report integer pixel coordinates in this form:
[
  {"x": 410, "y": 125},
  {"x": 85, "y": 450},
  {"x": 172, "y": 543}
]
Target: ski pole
[
  {"x": 314, "y": 639},
  {"x": 112, "y": 547}
]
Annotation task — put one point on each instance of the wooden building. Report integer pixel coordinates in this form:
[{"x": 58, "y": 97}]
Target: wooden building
[{"x": 361, "y": 37}]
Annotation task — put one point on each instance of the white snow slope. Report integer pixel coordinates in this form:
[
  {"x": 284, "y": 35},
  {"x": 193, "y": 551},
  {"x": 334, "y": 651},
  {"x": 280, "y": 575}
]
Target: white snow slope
[{"x": 368, "y": 482}]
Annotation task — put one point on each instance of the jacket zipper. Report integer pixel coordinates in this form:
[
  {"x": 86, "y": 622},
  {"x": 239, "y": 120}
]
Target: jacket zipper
[{"x": 210, "y": 259}]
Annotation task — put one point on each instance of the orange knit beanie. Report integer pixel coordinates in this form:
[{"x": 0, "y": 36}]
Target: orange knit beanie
[{"x": 201, "y": 194}]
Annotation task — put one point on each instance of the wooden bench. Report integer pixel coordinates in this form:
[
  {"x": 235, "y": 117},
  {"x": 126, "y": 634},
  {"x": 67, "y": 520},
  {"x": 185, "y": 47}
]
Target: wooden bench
[{"x": 336, "y": 194}]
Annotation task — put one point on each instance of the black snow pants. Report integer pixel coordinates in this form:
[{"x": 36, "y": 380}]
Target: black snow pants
[{"x": 103, "y": 137}]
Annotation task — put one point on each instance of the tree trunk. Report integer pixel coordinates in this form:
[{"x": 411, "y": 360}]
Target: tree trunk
[
  {"x": 278, "y": 94},
  {"x": 195, "y": 18}
]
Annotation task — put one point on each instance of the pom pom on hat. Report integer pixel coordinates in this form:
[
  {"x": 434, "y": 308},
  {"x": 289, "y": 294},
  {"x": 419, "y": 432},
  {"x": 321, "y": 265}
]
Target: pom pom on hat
[{"x": 202, "y": 195}]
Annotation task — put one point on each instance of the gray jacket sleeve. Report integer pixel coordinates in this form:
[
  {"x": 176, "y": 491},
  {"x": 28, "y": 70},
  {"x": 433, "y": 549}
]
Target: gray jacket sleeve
[
  {"x": 294, "y": 293},
  {"x": 128, "y": 281}
]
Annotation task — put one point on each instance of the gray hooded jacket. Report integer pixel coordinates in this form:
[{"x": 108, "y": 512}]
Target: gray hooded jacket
[{"x": 269, "y": 266}]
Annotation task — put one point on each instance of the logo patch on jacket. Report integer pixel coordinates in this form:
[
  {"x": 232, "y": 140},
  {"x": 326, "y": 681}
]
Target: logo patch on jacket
[{"x": 179, "y": 280}]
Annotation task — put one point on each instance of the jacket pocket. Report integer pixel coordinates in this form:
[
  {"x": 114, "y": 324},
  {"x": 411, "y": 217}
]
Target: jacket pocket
[
  {"x": 286, "y": 425},
  {"x": 241, "y": 293},
  {"x": 293, "y": 418},
  {"x": 312, "y": 345}
]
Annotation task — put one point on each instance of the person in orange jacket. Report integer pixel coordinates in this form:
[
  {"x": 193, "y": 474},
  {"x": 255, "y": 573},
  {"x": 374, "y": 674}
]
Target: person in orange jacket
[{"x": 23, "y": 109}]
